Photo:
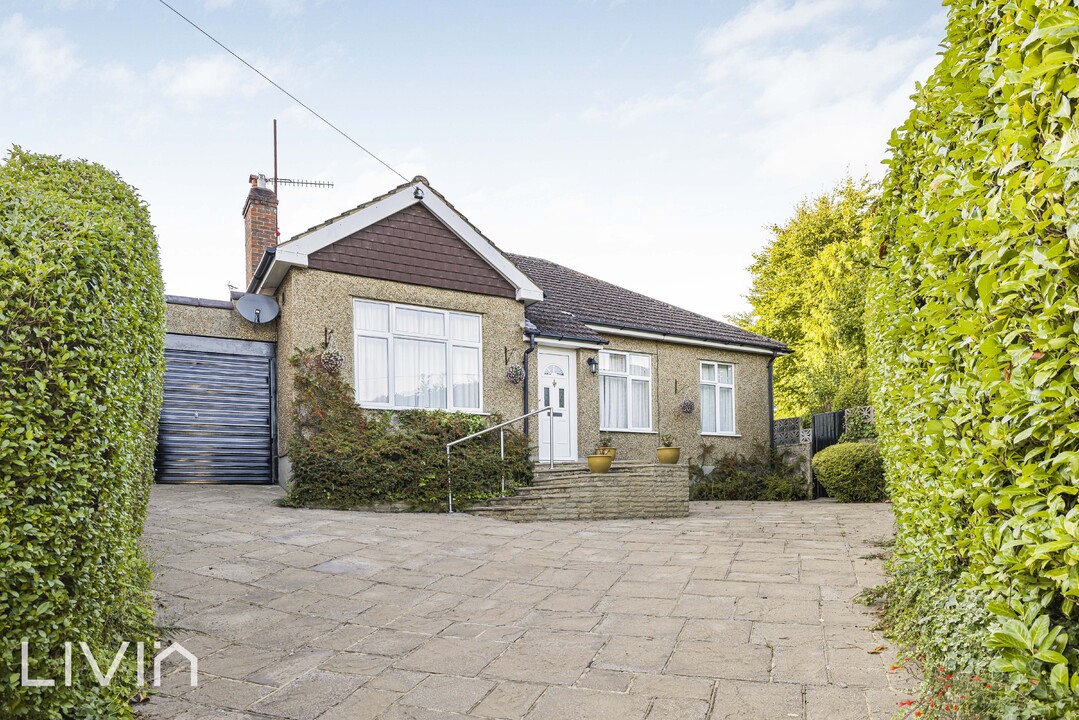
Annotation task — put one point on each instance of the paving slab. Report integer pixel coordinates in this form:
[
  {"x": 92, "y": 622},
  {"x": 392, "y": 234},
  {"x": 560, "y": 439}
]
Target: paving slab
[{"x": 738, "y": 611}]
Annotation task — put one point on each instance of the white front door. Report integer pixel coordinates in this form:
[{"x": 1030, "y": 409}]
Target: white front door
[{"x": 558, "y": 390}]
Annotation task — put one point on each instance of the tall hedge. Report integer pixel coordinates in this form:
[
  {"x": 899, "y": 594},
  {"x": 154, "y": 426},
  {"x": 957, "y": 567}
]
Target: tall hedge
[
  {"x": 81, "y": 370},
  {"x": 973, "y": 332}
]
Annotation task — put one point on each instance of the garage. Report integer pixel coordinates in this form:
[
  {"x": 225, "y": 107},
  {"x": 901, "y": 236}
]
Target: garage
[{"x": 217, "y": 421}]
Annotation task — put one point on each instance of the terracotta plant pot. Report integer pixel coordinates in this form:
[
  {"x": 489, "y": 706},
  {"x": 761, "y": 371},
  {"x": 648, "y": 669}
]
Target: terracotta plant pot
[
  {"x": 607, "y": 451},
  {"x": 668, "y": 455},
  {"x": 599, "y": 464}
]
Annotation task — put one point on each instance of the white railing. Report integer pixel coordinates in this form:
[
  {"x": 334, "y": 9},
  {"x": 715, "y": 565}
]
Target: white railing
[{"x": 501, "y": 428}]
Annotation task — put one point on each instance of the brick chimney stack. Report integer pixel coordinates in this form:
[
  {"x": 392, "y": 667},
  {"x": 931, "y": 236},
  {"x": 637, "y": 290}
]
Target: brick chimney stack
[{"x": 260, "y": 222}]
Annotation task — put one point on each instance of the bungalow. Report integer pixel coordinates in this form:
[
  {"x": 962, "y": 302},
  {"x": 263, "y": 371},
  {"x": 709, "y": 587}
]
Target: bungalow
[{"x": 428, "y": 313}]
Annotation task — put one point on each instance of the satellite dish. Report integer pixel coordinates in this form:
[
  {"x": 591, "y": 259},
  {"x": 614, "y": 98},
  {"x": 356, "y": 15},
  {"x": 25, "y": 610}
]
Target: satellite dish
[{"x": 257, "y": 308}]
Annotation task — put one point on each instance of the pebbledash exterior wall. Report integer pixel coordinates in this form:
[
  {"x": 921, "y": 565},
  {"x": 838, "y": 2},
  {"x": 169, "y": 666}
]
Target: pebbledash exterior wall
[
  {"x": 316, "y": 304},
  {"x": 671, "y": 363},
  {"x": 213, "y": 318}
]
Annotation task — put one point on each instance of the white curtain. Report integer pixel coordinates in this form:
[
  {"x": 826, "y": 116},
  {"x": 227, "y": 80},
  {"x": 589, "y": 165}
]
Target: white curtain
[
  {"x": 640, "y": 402},
  {"x": 372, "y": 316},
  {"x": 708, "y": 408},
  {"x": 419, "y": 373},
  {"x": 724, "y": 373},
  {"x": 726, "y": 408},
  {"x": 466, "y": 378},
  {"x": 372, "y": 370},
  {"x": 419, "y": 322},
  {"x": 614, "y": 413},
  {"x": 465, "y": 327}
]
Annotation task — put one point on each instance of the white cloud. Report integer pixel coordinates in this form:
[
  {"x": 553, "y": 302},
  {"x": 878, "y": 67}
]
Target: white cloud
[
  {"x": 38, "y": 58},
  {"x": 768, "y": 19},
  {"x": 276, "y": 7},
  {"x": 811, "y": 97},
  {"x": 634, "y": 109},
  {"x": 200, "y": 78}
]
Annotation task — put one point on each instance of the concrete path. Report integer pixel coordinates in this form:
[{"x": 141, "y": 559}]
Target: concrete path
[{"x": 741, "y": 610}]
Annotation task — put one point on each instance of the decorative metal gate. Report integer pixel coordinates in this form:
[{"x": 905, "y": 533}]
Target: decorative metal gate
[
  {"x": 827, "y": 427},
  {"x": 217, "y": 421}
]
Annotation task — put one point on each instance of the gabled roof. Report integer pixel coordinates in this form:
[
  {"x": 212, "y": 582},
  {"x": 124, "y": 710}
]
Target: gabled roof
[
  {"x": 580, "y": 307},
  {"x": 295, "y": 251}
]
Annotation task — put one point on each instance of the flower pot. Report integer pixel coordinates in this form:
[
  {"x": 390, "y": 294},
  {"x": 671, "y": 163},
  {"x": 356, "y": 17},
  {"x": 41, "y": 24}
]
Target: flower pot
[
  {"x": 599, "y": 463},
  {"x": 668, "y": 455},
  {"x": 607, "y": 451}
]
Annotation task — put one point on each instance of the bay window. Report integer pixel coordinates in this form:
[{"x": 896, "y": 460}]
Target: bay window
[
  {"x": 625, "y": 391},
  {"x": 717, "y": 398},
  {"x": 412, "y": 357}
]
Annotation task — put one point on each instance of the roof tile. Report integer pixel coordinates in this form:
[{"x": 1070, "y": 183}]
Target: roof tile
[{"x": 573, "y": 300}]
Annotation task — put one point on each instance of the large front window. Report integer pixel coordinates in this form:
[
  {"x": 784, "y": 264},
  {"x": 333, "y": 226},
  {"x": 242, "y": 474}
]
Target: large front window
[
  {"x": 717, "y": 398},
  {"x": 625, "y": 391},
  {"x": 412, "y": 357}
]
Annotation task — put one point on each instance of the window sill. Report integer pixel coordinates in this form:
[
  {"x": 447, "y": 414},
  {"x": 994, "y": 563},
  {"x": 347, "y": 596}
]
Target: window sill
[
  {"x": 733, "y": 435},
  {"x": 634, "y": 432},
  {"x": 391, "y": 408}
]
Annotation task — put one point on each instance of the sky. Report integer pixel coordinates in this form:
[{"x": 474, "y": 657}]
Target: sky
[{"x": 650, "y": 144}]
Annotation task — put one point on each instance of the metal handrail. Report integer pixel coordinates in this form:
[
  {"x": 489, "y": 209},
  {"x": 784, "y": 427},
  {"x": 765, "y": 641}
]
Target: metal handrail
[{"x": 501, "y": 427}]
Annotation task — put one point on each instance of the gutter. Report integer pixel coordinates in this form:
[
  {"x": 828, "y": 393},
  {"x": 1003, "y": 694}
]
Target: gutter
[
  {"x": 681, "y": 339},
  {"x": 263, "y": 267}
]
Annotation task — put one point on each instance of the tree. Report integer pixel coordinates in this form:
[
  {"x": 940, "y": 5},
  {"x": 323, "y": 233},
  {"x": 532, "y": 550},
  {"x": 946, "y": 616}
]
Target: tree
[{"x": 808, "y": 291}]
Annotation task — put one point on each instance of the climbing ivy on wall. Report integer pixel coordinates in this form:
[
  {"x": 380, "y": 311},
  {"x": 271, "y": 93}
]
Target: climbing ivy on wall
[
  {"x": 347, "y": 457},
  {"x": 973, "y": 334}
]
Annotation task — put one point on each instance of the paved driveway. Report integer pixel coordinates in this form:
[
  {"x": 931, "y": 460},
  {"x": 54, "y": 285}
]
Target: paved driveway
[{"x": 741, "y": 610}]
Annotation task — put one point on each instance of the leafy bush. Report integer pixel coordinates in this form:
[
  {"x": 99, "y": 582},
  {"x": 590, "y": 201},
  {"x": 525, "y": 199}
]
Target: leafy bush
[
  {"x": 973, "y": 338},
  {"x": 764, "y": 475},
  {"x": 851, "y": 472},
  {"x": 856, "y": 427},
  {"x": 347, "y": 457},
  {"x": 82, "y": 324}
]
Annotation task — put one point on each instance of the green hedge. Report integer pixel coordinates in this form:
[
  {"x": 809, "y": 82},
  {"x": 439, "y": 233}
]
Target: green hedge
[
  {"x": 973, "y": 331},
  {"x": 763, "y": 475},
  {"x": 82, "y": 323},
  {"x": 851, "y": 472},
  {"x": 346, "y": 457}
]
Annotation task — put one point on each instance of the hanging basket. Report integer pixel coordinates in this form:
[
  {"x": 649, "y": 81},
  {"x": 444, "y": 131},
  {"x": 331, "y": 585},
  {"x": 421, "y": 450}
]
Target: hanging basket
[
  {"x": 687, "y": 406},
  {"x": 515, "y": 374},
  {"x": 331, "y": 361}
]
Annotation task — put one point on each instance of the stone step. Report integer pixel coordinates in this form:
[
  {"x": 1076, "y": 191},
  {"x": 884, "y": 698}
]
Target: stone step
[{"x": 572, "y": 493}]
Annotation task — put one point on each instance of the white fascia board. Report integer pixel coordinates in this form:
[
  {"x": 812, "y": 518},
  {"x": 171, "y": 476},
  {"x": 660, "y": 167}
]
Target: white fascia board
[
  {"x": 680, "y": 340},
  {"x": 282, "y": 261},
  {"x": 526, "y": 290},
  {"x": 578, "y": 344},
  {"x": 354, "y": 222}
]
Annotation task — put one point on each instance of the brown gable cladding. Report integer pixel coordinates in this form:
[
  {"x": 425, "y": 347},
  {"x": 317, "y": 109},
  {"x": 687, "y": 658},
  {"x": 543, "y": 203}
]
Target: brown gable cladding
[{"x": 412, "y": 246}]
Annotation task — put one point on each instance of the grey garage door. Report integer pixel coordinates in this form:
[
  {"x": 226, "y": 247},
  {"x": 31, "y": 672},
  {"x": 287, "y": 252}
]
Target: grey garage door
[{"x": 217, "y": 421}]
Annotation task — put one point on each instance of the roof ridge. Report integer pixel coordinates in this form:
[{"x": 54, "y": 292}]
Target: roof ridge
[{"x": 418, "y": 179}]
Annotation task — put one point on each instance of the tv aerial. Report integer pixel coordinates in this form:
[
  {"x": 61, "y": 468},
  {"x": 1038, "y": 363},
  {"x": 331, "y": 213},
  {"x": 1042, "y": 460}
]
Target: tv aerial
[
  {"x": 288, "y": 181},
  {"x": 259, "y": 309}
]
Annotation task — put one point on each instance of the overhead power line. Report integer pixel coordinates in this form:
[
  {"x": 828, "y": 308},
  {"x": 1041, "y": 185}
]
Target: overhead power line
[{"x": 301, "y": 103}]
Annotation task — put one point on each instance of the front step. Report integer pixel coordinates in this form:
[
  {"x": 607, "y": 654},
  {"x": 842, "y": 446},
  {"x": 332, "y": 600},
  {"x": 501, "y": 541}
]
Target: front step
[{"x": 629, "y": 490}]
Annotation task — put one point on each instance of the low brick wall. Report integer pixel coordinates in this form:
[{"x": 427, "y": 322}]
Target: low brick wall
[{"x": 628, "y": 491}]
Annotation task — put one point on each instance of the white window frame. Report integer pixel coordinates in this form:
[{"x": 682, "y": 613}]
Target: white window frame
[
  {"x": 629, "y": 390},
  {"x": 389, "y": 337},
  {"x": 717, "y": 385}
]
